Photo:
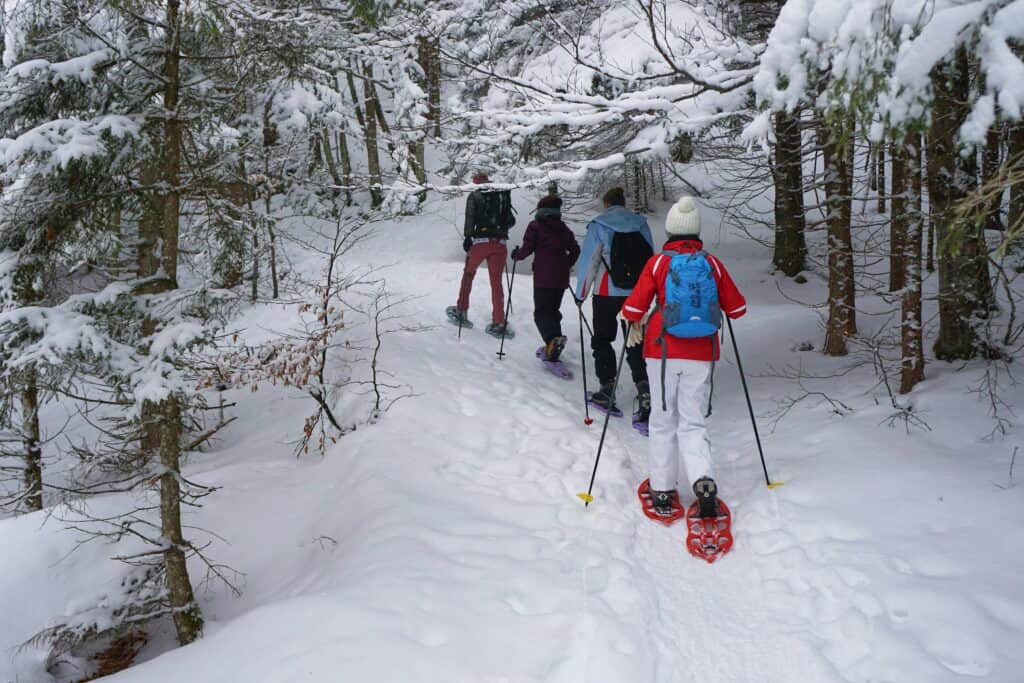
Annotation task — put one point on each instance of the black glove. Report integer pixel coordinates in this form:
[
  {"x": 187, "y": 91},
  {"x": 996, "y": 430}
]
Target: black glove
[
  {"x": 515, "y": 254},
  {"x": 466, "y": 244}
]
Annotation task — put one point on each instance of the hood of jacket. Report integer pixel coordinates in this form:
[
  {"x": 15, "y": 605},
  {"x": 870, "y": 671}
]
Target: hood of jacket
[{"x": 621, "y": 219}]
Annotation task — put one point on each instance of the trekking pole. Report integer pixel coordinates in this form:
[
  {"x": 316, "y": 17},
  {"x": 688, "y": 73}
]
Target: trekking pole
[
  {"x": 587, "y": 420},
  {"x": 508, "y": 309},
  {"x": 465, "y": 265},
  {"x": 509, "y": 285},
  {"x": 750, "y": 407},
  {"x": 587, "y": 498}
]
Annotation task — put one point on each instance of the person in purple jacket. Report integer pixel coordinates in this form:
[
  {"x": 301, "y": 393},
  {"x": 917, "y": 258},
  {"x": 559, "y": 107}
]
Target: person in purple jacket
[{"x": 555, "y": 251}]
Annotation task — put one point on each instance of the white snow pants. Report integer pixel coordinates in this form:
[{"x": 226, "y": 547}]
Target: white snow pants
[{"x": 680, "y": 430}]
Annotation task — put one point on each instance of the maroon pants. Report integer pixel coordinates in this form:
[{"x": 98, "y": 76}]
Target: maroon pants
[{"x": 495, "y": 253}]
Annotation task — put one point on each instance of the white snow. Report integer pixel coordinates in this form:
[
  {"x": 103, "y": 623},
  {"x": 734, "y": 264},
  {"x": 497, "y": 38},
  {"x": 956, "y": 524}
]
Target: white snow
[{"x": 445, "y": 543}]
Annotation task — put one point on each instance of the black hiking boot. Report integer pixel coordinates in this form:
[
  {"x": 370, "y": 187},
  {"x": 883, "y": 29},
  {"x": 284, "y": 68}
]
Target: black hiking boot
[
  {"x": 643, "y": 399},
  {"x": 706, "y": 491},
  {"x": 553, "y": 349},
  {"x": 604, "y": 397}
]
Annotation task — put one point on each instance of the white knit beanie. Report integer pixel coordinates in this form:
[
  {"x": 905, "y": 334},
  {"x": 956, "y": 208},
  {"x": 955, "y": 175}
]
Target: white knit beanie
[{"x": 683, "y": 218}]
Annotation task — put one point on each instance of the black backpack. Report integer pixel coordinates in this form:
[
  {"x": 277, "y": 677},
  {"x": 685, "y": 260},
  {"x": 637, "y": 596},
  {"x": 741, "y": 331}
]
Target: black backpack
[
  {"x": 630, "y": 253},
  {"x": 495, "y": 217}
]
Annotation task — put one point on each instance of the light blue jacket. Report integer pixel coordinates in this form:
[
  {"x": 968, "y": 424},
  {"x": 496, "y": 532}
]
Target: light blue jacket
[{"x": 597, "y": 248}]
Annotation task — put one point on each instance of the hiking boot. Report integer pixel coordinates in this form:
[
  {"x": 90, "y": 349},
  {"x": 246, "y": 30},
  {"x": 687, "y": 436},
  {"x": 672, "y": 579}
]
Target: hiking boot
[
  {"x": 457, "y": 315},
  {"x": 643, "y": 399},
  {"x": 553, "y": 349},
  {"x": 604, "y": 397},
  {"x": 661, "y": 501},
  {"x": 707, "y": 496},
  {"x": 500, "y": 330}
]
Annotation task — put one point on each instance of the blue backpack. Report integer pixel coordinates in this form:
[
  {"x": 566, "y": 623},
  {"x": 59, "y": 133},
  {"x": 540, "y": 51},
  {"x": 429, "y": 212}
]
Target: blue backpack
[{"x": 691, "y": 309}]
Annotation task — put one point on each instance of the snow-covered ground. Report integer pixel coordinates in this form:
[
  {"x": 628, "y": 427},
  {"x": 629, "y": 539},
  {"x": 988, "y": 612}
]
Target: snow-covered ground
[{"x": 446, "y": 543}]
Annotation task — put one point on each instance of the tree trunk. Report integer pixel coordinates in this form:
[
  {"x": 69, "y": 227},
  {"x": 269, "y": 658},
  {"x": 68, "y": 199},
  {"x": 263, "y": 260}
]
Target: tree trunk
[
  {"x": 989, "y": 171},
  {"x": 346, "y": 166},
  {"x": 842, "y": 321},
  {"x": 272, "y": 242},
  {"x": 1015, "y": 157},
  {"x": 188, "y": 620},
  {"x": 31, "y": 442},
  {"x": 161, "y": 422},
  {"x": 911, "y": 323},
  {"x": 790, "y": 252},
  {"x": 370, "y": 132},
  {"x": 898, "y": 237},
  {"x": 881, "y": 176},
  {"x": 434, "y": 86},
  {"x": 916, "y": 203},
  {"x": 962, "y": 261}
]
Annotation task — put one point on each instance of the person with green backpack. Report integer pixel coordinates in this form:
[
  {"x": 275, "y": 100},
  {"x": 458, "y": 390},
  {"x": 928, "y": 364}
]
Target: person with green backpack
[
  {"x": 691, "y": 289},
  {"x": 489, "y": 217},
  {"x": 617, "y": 245}
]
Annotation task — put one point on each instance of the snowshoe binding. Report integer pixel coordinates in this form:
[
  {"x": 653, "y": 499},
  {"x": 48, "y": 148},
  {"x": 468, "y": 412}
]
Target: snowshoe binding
[
  {"x": 499, "y": 330},
  {"x": 555, "y": 367},
  {"x": 661, "y": 506},
  {"x": 458, "y": 317},
  {"x": 604, "y": 400},
  {"x": 708, "y": 523}
]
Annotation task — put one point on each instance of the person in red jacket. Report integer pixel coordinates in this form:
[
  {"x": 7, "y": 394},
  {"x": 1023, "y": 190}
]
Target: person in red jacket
[{"x": 676, "y": 424}]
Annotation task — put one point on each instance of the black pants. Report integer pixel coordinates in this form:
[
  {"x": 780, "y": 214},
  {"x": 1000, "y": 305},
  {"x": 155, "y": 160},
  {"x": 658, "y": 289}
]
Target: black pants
[
  {"x": 606, "y": 325},
  {"x": 547, "y": 311}
]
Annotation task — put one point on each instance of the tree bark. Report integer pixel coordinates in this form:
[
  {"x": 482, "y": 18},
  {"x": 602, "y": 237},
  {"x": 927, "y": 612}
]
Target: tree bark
[
  {"x": 434, "y": 86},
  {"x": 31, "y": 442},
  {"x": 911, "y": 323},
  {"x": 790, "y": 253},
  {"x": 346, "y": 166},
  {"x": 188, "y": 620},
  {"x": 989, "y": 171},
  {"x": 161, "y": 421},
  {"x": 1015, "y": 157},
  {"x": 881, "y": 176},
  {"x": 842, "y": 321},
  {"x": 898, "y": 236},
  {"x": 962, "y": 259},
  {"x": 370, "y": 132}
]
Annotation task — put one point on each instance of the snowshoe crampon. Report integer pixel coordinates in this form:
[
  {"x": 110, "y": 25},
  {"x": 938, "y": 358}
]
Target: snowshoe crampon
[
  {"x": 648, "y": 506},
  {"x": 555, "y": 367},
  {"x": 708, "y": 538}
]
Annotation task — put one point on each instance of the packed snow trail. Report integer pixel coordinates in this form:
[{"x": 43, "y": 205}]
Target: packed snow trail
[{"x": 446, "y": 542}]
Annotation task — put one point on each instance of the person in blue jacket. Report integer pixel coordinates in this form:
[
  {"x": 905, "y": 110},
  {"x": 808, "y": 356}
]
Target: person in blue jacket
[{"x": 610, "y": 275}]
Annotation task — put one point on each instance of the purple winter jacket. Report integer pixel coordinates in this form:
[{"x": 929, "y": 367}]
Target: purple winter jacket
[{"x": 555, "y": 248}]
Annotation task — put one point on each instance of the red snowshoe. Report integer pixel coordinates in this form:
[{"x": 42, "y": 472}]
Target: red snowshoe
[
  {"x": 648, "y": 506},
  {"x": 708, "y": 538}
]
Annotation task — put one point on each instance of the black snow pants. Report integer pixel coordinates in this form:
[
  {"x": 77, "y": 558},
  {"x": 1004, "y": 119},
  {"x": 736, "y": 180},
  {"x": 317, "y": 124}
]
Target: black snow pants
[
  {"x": 606, "y": 326},
  {"x": 547, "y": 311}
]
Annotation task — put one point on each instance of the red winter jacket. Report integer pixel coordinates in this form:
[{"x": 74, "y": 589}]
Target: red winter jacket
[{"x": 652, "y": 283}]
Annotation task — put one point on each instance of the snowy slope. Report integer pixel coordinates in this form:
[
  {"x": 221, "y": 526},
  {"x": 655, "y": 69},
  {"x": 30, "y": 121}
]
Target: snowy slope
[{"x": 445, "y": 543}]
